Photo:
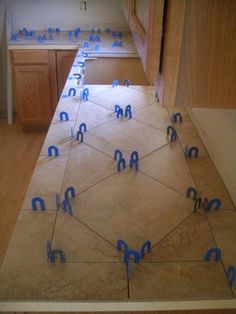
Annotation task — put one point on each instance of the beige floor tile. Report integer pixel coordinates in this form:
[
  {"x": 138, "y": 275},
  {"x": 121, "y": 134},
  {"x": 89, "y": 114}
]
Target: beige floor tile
[
  {"x": 132, "y": 207},
  {"x": 86, "y": 167},
  {"x": 208, "y": 181},
  {"x": 80, "y": 243},
  {"x": 223, "y": 225},
  {"x": 46, "y": 181},
  {"x": 123, "y": 96},
  {"x": 59, "y": 134},
  {"x": 93, "y": 115},
  {"x": 126, "y": 135},
  {"x": 28, "y": 242},
  {"x": 144, "y": 89},
  {"x": 154, "y": 116},
  {"x": 168, "y": 165},
  {"x": 178, "y": 281},
  {"x": 188, "y": 242},
  {"x": 188, "y": 136},
  {"x": 69, "y": 281},
  {"x": 182, "y": 110}
]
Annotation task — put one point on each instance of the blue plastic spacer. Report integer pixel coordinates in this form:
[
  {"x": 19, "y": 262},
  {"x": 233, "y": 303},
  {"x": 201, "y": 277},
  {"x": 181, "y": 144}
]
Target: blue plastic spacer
[
  {"x": 128, "y": 113},
  {"x": 32, "y": 33},
  {"x": 50, "y": 30},
  {"x": 121, "y": 163},
  {"x": 173, "y": 136},
  {"x": 121, "y": 245},
  {"x": 118, "y": 154},
  {"x": 119, "y": 113},
  {"x": 64, "y": 96},
  {"x": 38, "y": 200},
  {"x": 107, "y": 30},
  {"x": 134, "y": 254},
  {"x": 114, "y": 34},
  {"x": 126, "y": 83},
  {"x": 67, "y": 207},
  {"x": 84, "y": 54},
  {"x": 191, "y": 193},
  {"x": 231, "y": 274},
  {"x": 86, "y": 44},
  {"x": 134, "y": 164},
  {"x": 97, "y": 38},
  {"x": 115, "y": 83},
  {"x": 80, "y": 136},
  {"x": 214, "y": 203},
  {"x": 57, "y": 30},
  {"x": 145, "y": 247},
  {"x": 54, "y": 253},
  {"x": 120, "y": 34},
  {"x": 64, "y": 116},
  {"x": 86, "y": 91},
  {"x": 177, "y": 117},
  {"x": 53, "y": 150},
  {"x": 193, "y": 150},
  {"x": 197, "y": 204},
  {"x": 72, "y": 92},
  {"x": 93, "y": 31},
  {"x": 83, "y": 127},
  {"x": 120, "y": 44},
  {"x": 69, "y": 193},
  {"x": 97, "y": 47},
  {"x": 81, "y": 64},
  {"x": 91, "y": 38},
  {"x": 40, "y": 39},
  {"x": 117, "y": 108},
  {"x": 170, "y": 129},
  {"x": 134, "y": 156},
  {"x": 115, "y": 44},
  {"x": 57, "y": 200},
  {"x": 211, "y": 251}
]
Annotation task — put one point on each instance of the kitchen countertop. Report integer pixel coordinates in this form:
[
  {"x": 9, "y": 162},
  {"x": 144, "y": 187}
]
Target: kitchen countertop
[
  {"x": 62, "y": 41},
  {"x": 135, "y": 206}
]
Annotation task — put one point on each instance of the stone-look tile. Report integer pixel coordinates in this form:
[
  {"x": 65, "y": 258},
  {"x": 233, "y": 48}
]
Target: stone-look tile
[
  {"x": 208, "y": 181},
  {"x": 223, "y": 225},
  {"x": 144, "y": 89},
  {"x": 127, "y": 135},
  {"x": 64, "y": 282},
  {"x": 80, "y": 243},
  {"x": 188, "y": 242},
  {"x": 188, "y": 136},
  {"x": 46, "y": 181},
  {"x": 122, "y": 96},
  {"x": 68, "y": 105},
  {"x": 93, "y": 115},
  {"x": 132, "y": 207},
  {"x": 168, "y": 165},
  {"x": 154, "y": 116},
  {"x": 28, "y": 242},
  {"x": 182, "y": 110},
  {"x": 86, "y": 167},
  {"x": 178, "y": 281},
  {"x": 59, "y": 134}
]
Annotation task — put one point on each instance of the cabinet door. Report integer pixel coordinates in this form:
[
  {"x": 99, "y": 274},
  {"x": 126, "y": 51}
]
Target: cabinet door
[
  {"x": 146, "y": 26},
  {"x": 35, "y": 87},
  {"x": 65, "y": 59}
]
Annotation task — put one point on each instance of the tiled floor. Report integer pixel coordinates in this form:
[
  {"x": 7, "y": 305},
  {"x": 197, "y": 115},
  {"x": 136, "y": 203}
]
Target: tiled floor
[{"x": 135, "y": 206}]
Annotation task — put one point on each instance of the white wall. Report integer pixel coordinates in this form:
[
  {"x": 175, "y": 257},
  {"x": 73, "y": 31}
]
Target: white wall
[
  {"x": 217, "y": 128},
  {"x": 66, "y": 14}
]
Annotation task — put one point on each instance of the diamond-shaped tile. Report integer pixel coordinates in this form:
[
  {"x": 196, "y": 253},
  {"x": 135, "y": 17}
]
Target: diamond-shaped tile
[
  {"x": 127, "y": 135},
  {"x": 46, "y": 181},
  {"x": 154, "y": 116},
  {"x": 64, "y": 282},
  {"x": 208, "y": 181},
  {"x": 123, "y": 96},
  {"x": 93, "y": 115},
  {"x": 132, "y": 207},
  {"x": 59, "y": 134},
  {"x": 86, "y": 167},
  {"x": 80, "y": 243},
  {"x": 168, "y": 166},
  {"x": 178, "y": 281},
  {"x": 188, "y": 242}
]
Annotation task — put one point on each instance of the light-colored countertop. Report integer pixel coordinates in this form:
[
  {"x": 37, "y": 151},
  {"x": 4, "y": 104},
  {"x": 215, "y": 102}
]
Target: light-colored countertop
[
  {"x": 62, "y": 41},
  {"x": 135, "y": 206}
]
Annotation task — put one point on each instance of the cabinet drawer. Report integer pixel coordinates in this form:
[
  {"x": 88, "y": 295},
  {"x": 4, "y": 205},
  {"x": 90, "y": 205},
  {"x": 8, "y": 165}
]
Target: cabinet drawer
[{"x": 30, "y": 56}]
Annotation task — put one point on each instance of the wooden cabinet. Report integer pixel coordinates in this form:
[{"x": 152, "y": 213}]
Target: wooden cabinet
[
  {"x": 106, "y": 70},
  {"x": 64, "y": 60},
  {"x": 35, "y": 87}
]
